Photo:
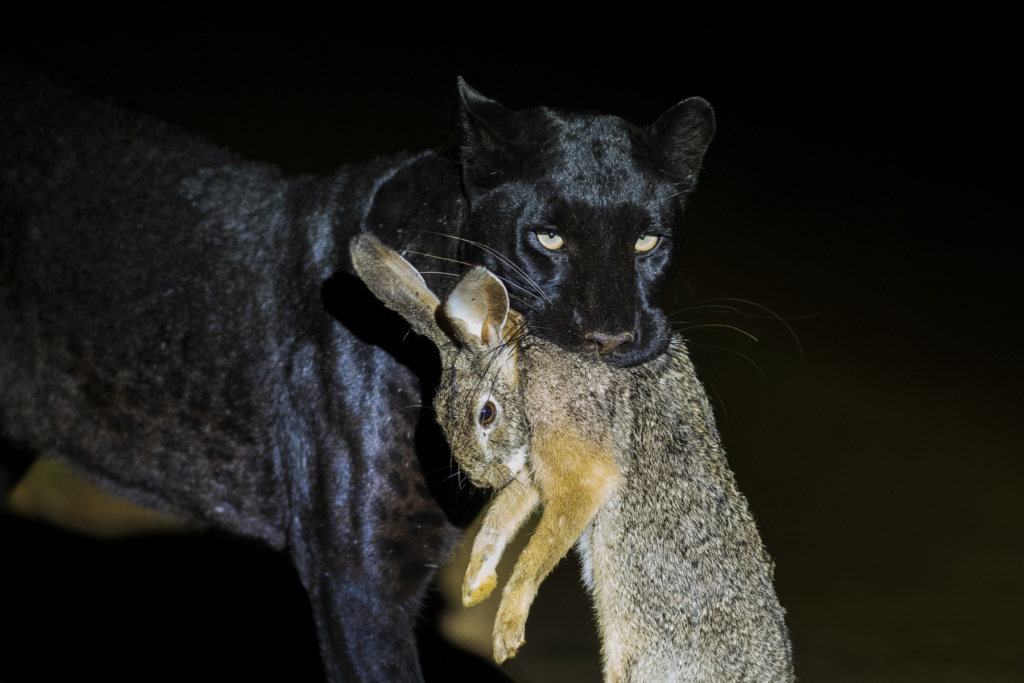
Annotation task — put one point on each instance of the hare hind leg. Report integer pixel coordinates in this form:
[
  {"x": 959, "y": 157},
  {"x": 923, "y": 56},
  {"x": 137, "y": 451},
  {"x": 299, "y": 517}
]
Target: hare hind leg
[
  {"x": 576, "y": 489},
  {"x": 510, "y": 509}
]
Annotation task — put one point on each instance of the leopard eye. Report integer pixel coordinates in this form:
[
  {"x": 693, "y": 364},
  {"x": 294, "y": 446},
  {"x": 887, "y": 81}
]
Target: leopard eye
[
  {"x": 550, "y": 240},
  {"x": 646, "y": 242},
  {"x": 487, "y": 414}
]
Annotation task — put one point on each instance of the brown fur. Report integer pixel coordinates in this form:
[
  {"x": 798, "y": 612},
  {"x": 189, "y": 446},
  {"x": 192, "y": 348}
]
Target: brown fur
[
  {"x": 575, "y": 476},
  {"x": 628, "y": 465}
]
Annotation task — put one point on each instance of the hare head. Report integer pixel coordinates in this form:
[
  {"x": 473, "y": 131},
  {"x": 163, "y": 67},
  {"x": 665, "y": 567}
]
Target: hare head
[{"x": 478, "y": 403}]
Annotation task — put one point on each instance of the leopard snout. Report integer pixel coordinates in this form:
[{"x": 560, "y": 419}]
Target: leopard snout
[{"x": 610, "y": 342}]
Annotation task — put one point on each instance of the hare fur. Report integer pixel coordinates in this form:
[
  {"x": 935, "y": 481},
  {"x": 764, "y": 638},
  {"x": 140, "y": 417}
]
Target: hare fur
[{"x": 629, "y": 467}]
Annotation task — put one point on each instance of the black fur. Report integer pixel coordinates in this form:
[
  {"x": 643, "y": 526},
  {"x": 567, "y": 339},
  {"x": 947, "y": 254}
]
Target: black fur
[
  {"x": 597, "y": 181},
  {"x": 183, "y": 324}
]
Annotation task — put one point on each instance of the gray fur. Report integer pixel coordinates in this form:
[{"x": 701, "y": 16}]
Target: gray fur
[
  {"x": 682, "y": 584},
  {"x": 673, "y": 559}
]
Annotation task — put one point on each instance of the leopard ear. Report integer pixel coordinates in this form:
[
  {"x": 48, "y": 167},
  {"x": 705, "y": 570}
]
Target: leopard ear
[
  {"x": 488, "y": 132},
  {"x": 478, "y": 308},
  {"x": 399, "y": 286},
  {"x": 482, "y": 119},
  {"x": 682, "y": 134}
]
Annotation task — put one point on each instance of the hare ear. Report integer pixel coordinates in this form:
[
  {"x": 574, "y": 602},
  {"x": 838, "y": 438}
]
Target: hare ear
[
  {"x": 398, "y": 285},
  {"x": 478, "y": 308}
]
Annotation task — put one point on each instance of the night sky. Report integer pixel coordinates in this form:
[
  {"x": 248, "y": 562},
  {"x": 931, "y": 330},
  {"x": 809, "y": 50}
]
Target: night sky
[{"x": 858, "y": 186}]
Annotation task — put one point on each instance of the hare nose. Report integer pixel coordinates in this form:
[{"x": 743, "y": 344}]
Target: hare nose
[{"x": 609, "y": 342}]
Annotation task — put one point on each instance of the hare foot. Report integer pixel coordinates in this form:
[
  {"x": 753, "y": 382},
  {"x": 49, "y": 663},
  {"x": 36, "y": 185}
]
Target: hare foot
[
  {"x": 509, "y": 635},
  {"x": 479, "y": 582}
]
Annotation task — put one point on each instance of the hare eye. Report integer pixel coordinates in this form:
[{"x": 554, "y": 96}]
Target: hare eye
[
  {"x": 487, "y": 413},
  {"x": 550, "y": 240},
  {"x": 646, "y": 242}
]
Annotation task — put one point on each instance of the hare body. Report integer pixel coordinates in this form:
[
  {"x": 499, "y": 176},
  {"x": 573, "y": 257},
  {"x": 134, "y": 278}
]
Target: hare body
[
  {"x": 628, "y": 465},
  {"x": 681, "y": 581}
]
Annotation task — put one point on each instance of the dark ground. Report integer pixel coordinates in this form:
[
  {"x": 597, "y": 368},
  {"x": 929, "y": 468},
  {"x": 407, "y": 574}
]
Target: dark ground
[{"x": 859, "y": 186}]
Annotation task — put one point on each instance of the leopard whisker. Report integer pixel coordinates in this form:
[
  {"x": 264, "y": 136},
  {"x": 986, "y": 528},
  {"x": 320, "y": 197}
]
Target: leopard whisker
[
  {"x": 509, "y": 281},
  {"x": 725, "y": 348},
  {"x": 731, "y": 327},
  {"x": 721, "y": 401},
  {"x": 497, "y": 254},
  {"x": 771, "y": 313},
  {"x": 442, "y": 258},
  {"x": 702, "y": 305}
]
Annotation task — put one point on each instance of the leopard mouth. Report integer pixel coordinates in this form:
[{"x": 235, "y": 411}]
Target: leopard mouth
[{"x": 608, "y": 344}]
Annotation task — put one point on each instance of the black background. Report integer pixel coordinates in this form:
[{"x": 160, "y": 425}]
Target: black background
[{"x": 859, "y": 185}]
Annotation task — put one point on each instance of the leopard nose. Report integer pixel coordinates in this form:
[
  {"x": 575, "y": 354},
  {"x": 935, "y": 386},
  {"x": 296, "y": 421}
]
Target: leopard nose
[{"x": 609, "y": 342}]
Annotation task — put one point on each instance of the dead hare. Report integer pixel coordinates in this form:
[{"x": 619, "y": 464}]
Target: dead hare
[{"x": 629, "y": 467}]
